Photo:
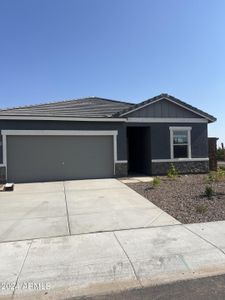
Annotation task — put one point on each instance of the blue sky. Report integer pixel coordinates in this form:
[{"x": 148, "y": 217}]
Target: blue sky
[{"x": 120, "y": 49}]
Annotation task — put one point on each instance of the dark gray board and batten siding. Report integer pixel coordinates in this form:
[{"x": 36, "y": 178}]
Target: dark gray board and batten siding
[{"x": 162, "y": 109}]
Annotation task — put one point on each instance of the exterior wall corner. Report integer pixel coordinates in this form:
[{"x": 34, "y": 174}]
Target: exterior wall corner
[
  {"x": 2, "y": 174},
  {"x": 121, "y": 169}
]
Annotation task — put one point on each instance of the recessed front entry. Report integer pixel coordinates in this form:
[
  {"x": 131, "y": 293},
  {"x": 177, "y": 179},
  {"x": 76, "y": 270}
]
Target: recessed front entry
[
  {"x": 139, "y": 150},
  {"x": 50, "y": 158}
]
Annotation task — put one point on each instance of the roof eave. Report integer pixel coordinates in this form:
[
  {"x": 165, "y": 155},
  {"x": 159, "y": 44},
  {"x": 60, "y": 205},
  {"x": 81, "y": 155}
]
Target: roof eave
[
  {"x": 61, "y": 118},
  {"x": 150, "y": 101}
]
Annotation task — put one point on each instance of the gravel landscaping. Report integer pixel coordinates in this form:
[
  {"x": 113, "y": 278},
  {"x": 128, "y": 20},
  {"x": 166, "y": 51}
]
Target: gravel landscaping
[{"x": 184, "y": 198}]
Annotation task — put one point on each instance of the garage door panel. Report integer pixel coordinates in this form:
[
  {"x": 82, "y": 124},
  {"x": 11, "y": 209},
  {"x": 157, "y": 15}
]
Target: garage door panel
[{"x": 49, "y": 158}]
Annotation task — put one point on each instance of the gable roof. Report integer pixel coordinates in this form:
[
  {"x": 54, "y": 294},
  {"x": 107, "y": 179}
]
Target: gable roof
[
  {"x": 170, "y": 98},
  {"x": 93, "y": 107}
]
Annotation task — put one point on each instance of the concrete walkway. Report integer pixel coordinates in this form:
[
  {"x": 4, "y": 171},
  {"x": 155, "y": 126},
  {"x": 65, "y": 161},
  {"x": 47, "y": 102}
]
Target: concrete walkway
[
  {"x": 63, "y": 267},
  {"x": 55, "y": 209}
]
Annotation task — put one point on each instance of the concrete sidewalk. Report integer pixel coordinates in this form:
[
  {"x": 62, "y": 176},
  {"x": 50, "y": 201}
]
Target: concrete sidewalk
[{"x": 89, "y": 264}]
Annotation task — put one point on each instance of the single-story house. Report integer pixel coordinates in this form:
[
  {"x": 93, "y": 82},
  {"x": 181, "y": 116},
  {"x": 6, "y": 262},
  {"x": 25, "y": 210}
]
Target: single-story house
[{"x": 99, "y": 138}]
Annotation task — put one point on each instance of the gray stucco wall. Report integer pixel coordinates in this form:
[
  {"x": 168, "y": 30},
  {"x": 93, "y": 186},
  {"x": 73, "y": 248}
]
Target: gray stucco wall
[
  {"x": 163, "y": 109},
  {"x": 160, "y": 139},
  {"x": 160, "y": 135},
  {"x": 60, "y": 125}
]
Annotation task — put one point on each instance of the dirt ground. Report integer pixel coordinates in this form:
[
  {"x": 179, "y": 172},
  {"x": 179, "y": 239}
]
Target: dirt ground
[{"x": 184, "y": 198}]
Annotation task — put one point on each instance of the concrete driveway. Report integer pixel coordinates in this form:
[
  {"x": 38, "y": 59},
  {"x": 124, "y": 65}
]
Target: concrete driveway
[
  {"x": 58, "y": 209},
  {"x": 70, "y": 264}
]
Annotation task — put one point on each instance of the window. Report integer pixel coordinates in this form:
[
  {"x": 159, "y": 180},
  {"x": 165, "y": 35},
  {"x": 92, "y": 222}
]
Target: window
[{"x": 180, "y": 142}]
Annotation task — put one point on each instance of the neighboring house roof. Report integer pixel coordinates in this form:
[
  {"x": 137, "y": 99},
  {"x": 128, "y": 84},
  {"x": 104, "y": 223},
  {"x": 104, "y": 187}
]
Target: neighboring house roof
[
  {"x": 84, "y": 108},
  {"x": 94, "y": 107}
]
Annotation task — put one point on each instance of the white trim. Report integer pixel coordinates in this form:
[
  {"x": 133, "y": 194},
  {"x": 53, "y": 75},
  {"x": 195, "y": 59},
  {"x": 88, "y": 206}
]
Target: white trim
[
  {"x": 2, "y": 165},
  {"x": 59, "y": 132},
  {"x": 129, "y": 120},
  {"x": 4, "y": 154},
  {"x": 166, "y": 120},
  {"x": 63, "y": 119},
  {"x": 114, "y": 153},
  {"x": 180, "y": 128},
  {"x": 121, "y": 161},
  {"x": 172, "y": 130},
  {"x": 164, "y": 97},
  {"x": 6, "y": 133},
  {"x": 189, "y": 144},
  {"x": 179, "y": 160},
  {"x": 171, "y": 145}
]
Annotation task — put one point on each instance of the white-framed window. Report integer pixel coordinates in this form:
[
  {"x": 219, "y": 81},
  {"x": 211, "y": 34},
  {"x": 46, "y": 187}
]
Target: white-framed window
[{"x": 180, "y": 142}]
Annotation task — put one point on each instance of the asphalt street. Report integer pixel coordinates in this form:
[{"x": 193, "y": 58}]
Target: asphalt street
[{"x": 210, "y": 288}]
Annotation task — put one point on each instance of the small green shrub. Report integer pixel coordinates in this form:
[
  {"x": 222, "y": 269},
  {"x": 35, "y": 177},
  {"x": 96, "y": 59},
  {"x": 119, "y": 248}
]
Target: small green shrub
[
  {"x": 220, "y": 174},
  {"x": 210, "y": 178},
  {"x": 201, "y": 208},
  {"x": 209, "y": 191},
  {"x": 172, "y": 172},
  {"x": 156, "y": 182},
  {"x": 217, "y": 176}
]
